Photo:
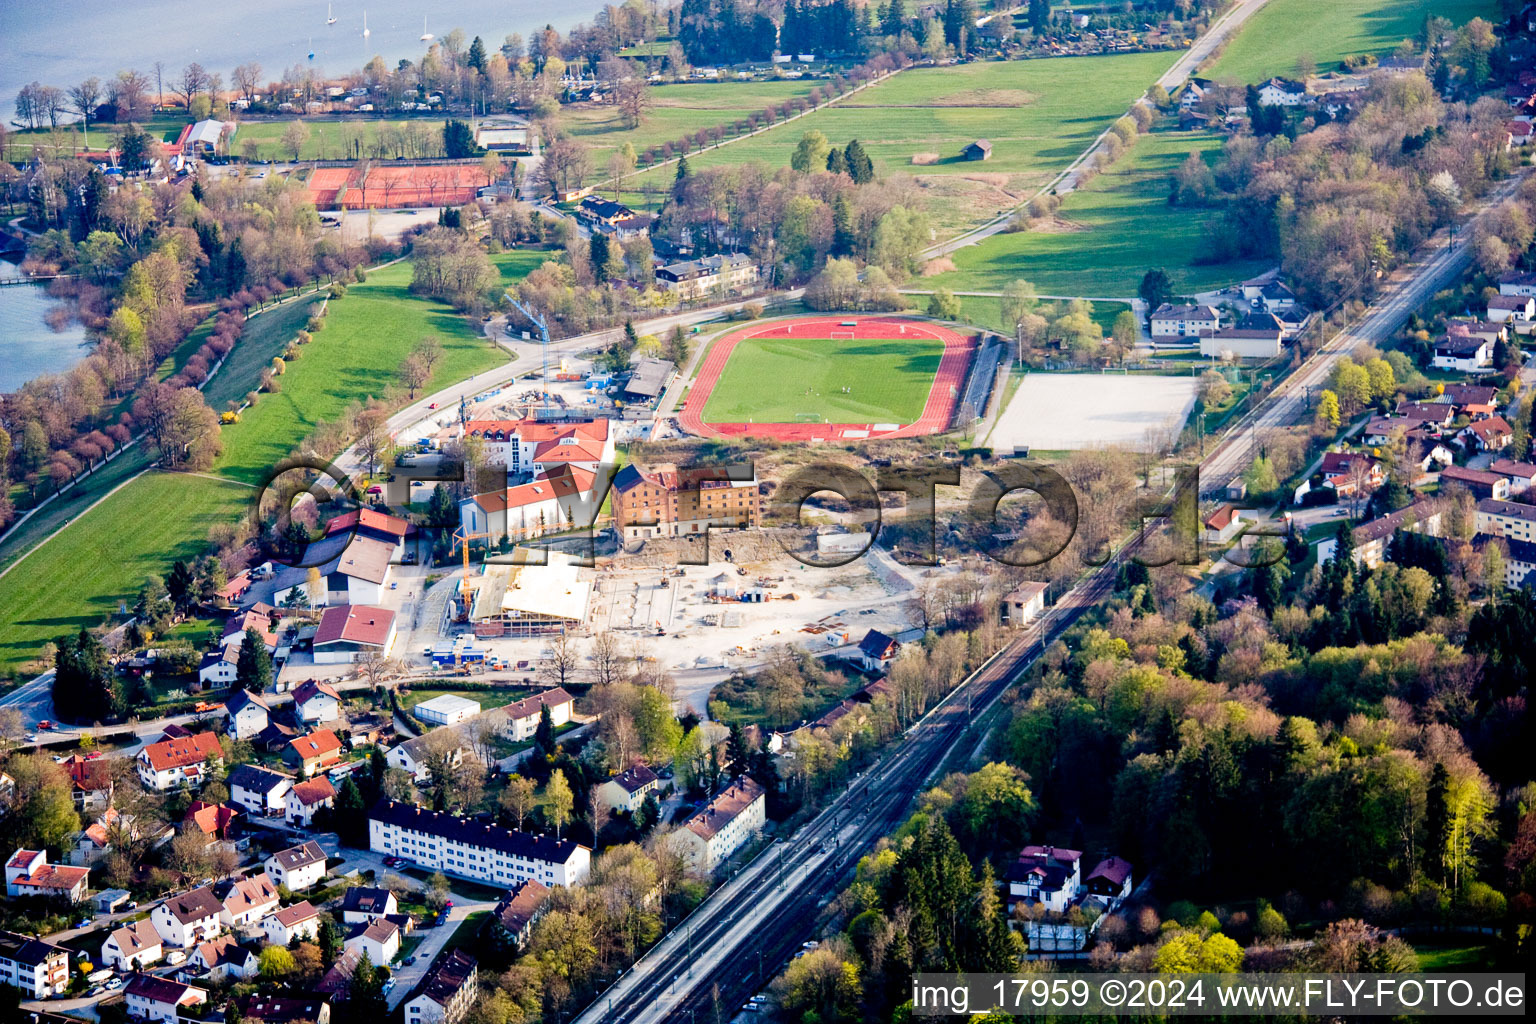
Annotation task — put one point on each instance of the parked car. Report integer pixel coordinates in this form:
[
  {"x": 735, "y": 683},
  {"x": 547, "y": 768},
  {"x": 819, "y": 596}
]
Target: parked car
[{"x": 117, "y": 983}]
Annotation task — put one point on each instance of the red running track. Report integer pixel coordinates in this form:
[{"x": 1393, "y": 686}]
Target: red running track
[{"x": 938, "y": 411}]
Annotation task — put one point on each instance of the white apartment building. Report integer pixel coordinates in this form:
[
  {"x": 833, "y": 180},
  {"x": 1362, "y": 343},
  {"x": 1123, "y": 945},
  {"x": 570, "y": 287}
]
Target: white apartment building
[
  {"x": 36, "y": 968},
  {"x": 474, "y": 850},
  {"x": 729, "y": 273}
]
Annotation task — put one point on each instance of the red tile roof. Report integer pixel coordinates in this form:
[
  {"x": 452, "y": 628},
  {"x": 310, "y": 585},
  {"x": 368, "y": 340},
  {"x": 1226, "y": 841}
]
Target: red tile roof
[
  {"x": 182, "y": 752},
  {"x": 369, "y": 519},
  {"x": 214, "y": 819},
  {"x": 320, "y": 743},
  {"x": 314, "y": 791},
  {"x": 355, "y": 624}
]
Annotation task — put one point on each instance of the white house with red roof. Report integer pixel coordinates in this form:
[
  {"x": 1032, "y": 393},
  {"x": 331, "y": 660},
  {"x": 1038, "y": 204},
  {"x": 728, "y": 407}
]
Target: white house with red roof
[
  {"x": 28, "y": 873},
  {"x": 563, "y": 496},
  {"x": 134, "y": 945},
  {"x": 160, "y": 999},
  {"x": 347, "y": 632},
  {"x": 247, "y": 900},
  {"x": 177, "y": 761},
  {"x": 1490, "y": 435},
  {"x": 300, "y": 921},
  {"x": 314, "y": 752},
  {"x": 373, "y": 524},
  {"x": 316, "y": 702},
  {"x": 306, "y": 798}
]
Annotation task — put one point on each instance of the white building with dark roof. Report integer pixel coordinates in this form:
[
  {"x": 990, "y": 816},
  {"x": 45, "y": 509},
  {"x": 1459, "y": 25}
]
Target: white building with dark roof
[
  {"x": 35, "y": 968},
  {"x": 627, "y": 790},
  {"x": 151, "y": 998},
  {"x": 247, "y": 714},
  {"x": 189, "y": 918},
  {"x": 447, "y": 991},
  {"x": 297, "y": 867},
  {"x": 260, "y": 791},
  {"x": 475, "y": 850}
]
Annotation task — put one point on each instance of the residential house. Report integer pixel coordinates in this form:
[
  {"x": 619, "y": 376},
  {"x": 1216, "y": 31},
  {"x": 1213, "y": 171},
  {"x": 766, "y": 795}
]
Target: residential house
[
  {"x": 515, "y": 915},
  {"x": 259, "y": 791},
  {"x": 411, "y": 756},
  {"x": 726, "y": 274},
  {"x": 179, "y": 761},
  {"x": 1519, "y": 558},
  {"x": 28, "y": 873},
  {"x": 1024, "y": 603},
  {"x": 306, "y": 798},
  {"x": 447, "y": 991},
  {"x": 664, "y": 501},
  {"x": 523, "y": 716},
  {"x": 35, "y": 968},
  {"x": 224, "y": 960},
  {"x": 1371, "y": 540},
  {"x": 354, "y": 568},
  {"x": 297, "y": 867},
  {"x": 363, "y": 904},
  {"x": 347, "y": 632},
  {"x": 285, "y": 1009},
  {"x": 336, "y": 984},
  {"x": 1190, "y": 96},
  {"x": 246, "y": 900},
  {"x": 1490, "y": 435},
  {"x": 1466, "y": 353},
  {"x": 1046, "y": 875},
  {"x": 319, "y": 702},
  {"x": 380, "y": 939},
  {"x": 1434, "y": 414},
  {"x": 1502, "y": 308},
  {"x": 981, "y": 149},
  {"x": 1282, "y": 92},
  {"x": 1481, "y": 483},
  {"x": 134, "y": 946},
  {"x": 1475, "y": 400},
  {"x": 160, "y": 999},
  {"x": 247, "y": 714},
  {"x": 875, "y": 652},
  {"x": 1110, "y": 880},
  {"x": 1380, "y": 430},
  {"x": 626, "y": 791},
  {"x": 219, "y": 667},
  {"x": 216, "y": 821},
  {"x": 599, "y": 214},
  {"x": 373, "y": 525},
  {"x": 1222, "y": 525},
  {"x": 89, "y": 845},
  {"x": 1517, "y": 282},
  {"x": 1186, "y": 321},
  {"x": 734, "y": 816},
  {"x": 1521, "y": 474},
  {"x": 189, "y": 918},
  {"x": 90, "y": 782},
  {"x": 1511, "y": 519},
  {"x": 300, "y": 921},
  {"x": 314, "y": 752},
  {"x": 470, "y": 849},
  {"x": 1424, "y": 458},
  {"x": 1348, "y": 474}
]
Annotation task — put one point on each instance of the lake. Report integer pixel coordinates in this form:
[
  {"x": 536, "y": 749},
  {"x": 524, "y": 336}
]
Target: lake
[
  {"x": 28, "y": 346},
  {"x": 64, "y": 42}
]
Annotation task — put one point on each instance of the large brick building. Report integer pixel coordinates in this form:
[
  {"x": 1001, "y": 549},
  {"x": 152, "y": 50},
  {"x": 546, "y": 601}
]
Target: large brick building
[{"x": 664, "y": 501}]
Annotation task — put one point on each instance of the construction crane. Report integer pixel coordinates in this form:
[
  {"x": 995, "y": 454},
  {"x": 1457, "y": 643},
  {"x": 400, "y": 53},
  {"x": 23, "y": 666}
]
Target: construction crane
[
  {"x": 538, "y": 322},
  {"x": 461, "y": 539}
]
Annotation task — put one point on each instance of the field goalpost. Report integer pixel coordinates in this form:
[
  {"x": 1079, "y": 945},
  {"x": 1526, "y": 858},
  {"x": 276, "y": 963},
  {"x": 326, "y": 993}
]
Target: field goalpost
[
  {"x": 842, "y": 335},
  {"x": 809, "y": 417}
]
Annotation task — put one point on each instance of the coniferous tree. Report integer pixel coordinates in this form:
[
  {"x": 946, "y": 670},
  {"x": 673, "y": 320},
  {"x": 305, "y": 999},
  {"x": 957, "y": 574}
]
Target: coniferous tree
[
  {"x": 253, "y": 667},
  {"x": 860, "y": 167},
  {"x": 544, "y": 735}
]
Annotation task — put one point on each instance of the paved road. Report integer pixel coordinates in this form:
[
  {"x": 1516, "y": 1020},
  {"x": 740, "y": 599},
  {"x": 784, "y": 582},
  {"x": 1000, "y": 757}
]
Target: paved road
[
  {"x": 1065, "y": 181},
  {"x": 1409, "y": 288}
]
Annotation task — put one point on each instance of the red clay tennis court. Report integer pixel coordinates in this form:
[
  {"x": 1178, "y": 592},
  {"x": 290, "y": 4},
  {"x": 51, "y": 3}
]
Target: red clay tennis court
[
  {"x": 392, "y": 186},
  {"x": 938, "y": 410}
]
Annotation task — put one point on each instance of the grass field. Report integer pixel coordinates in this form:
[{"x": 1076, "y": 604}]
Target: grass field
[
  {"x": 1039, "y": 115},
  {"x": 1112, "y": 231},
  {"x": 367, "y": 334},
  {"x": 766, "y": 380},
  {"x": 80, "y": 575},
  {"x": 332, "y": 139},
  {"x": 676, "y": 110},
  {"x": 266, "y": 335},
  {"x": 516, "y": 264},
  {"x": 1330, "y": 30},
  {"x": 987, "y": 311}
]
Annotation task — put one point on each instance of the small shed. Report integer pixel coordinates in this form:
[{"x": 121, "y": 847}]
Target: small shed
[
  {"x": 109, "y": 901},
  {"x": 981, "y": 149}
]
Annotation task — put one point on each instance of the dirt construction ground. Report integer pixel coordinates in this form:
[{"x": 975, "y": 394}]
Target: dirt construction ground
[{"x": 1070, "y": 411}]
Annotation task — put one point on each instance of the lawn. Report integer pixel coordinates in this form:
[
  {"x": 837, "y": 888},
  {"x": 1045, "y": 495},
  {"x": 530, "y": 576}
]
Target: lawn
[
  {"x": 516, "y": 264},
  {"x": 266, "y": 335},
  {"x": 81, "y": 575},
  {"x": 1440, "y": 959},
  {"x": 1330, "y": 30},
  {"x": 776, "y": 380},
  {"x": 366, "y": 336},
  {"x": 485, "y": 698},
  {"x": 987, "y": 311},
  {"x": 1108, "y": 234},
  {"x": 333, "y": 139},
  {"x": 1038, "y": 114},
  {"x": 676, "y": 110}
]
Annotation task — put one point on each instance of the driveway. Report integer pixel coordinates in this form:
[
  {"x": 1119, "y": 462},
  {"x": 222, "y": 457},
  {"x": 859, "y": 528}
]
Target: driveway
[{"x": 407, "y": 978}]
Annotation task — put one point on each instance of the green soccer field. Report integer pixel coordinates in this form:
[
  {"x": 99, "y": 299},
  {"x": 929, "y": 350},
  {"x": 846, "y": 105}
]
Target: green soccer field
[{"x": 789, "y": 380}]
